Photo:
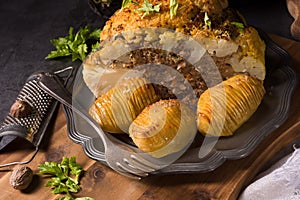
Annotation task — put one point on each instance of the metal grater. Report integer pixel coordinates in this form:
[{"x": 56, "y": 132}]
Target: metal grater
[{"x": 33, "y": 126}]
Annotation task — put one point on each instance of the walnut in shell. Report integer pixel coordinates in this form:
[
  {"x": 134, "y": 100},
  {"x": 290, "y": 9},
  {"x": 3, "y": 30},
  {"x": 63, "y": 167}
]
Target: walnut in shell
[
  {"x": 21, "y": 178},
  {"x": 20, "y": 109}
]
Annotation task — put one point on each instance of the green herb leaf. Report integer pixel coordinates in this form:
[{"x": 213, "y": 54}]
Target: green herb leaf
[
  {"x": 95, "y": 46},
  {"x": 173, "y": 8},
  {"x": 54, "y": 181},
  {"x": 72, "y": 185},
  {"x": 125, "y": 3},
  {"x": 72, "y": 198},
  {"x": 60, "y": 189},
  {"x": 52, "y": 168},
  {"x": 65, "y": 165},
  {"x": 75, "y": 168},
  {"x": 65, "y": 177},
  {"x": 147, "y": 7},
  {"x": 73, "y": 45},
  {"x": 95, "y": 34},
  {"x": 66, "y": 198},
  {"x": 239, "y": 25},
  {"x": 207, "y": 21}
]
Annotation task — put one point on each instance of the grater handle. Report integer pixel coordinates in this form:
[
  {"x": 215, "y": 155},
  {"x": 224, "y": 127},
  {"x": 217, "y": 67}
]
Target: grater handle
[{"x": 15, "y": 130}]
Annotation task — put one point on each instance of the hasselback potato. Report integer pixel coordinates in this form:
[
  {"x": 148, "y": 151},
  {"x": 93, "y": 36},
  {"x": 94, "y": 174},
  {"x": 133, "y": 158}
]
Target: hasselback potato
[
  {"x": 117, "y": 108},
  {"x": 164, "y": 127},
  {"x": 223, "y": 108}
]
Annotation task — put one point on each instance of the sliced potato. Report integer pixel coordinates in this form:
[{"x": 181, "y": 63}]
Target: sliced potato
[
  {"x": 115, "y": 110},
  {"x": 164, "y": 127},
  {"x": 223, "y": 108}
]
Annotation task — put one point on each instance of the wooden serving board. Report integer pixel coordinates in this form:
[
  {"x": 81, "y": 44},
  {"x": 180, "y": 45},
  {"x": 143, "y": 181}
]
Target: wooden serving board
[{"x": 98, "y": 181}]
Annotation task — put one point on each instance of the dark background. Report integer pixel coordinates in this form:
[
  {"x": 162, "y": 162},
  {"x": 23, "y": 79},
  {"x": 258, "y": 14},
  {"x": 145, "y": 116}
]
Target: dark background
[{"x": 28, "y": 25}]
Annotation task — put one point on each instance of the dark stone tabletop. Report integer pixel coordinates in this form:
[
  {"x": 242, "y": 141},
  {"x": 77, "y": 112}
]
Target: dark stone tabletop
[{"x": 27, "y": 27}]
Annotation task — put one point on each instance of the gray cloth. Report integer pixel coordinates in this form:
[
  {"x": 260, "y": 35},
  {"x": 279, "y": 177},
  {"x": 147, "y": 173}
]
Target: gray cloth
[{"x": 280, "y": 182}]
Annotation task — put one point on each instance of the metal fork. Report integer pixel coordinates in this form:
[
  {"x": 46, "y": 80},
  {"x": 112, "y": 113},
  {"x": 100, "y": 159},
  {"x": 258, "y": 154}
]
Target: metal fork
[{"x": 127, "y": 160}]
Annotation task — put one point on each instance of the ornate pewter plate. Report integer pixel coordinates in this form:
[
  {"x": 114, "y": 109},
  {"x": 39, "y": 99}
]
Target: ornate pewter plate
[{"x": 273, "y": 111}]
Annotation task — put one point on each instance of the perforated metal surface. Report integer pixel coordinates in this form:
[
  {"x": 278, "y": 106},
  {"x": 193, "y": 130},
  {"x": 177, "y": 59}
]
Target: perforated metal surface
[
  {"x": 33, "y": 126},
  {"x": 39, "y": 101}
]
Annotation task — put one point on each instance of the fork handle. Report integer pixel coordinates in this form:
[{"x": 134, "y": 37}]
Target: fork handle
[{"x": 51, "y": 84}]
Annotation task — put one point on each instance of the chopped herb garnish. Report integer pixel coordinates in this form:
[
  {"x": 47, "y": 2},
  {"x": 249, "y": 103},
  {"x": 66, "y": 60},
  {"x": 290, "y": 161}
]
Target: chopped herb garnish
[
  {"x": 173, "y": 8},
  {"x": 207, "y": 21},
  {"x": 239, "y": 25},
  {"x": 148, "y": 7},
  {"x": 126, "y": 3}
]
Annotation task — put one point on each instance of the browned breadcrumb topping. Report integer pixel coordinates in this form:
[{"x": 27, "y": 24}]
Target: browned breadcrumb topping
[{"x": 188, "y": 20}]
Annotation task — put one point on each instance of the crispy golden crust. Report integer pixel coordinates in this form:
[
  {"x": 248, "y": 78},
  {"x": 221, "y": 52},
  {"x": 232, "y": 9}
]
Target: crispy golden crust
[
  {"x": 152, "y": 131},
  {"x": 116, "y": 109},
  {"x": 163, "y": 127},
  {"x": 225, "y": 107},
  {"x": 130, "y": 19},
  {"x": 238, "y": 49},
  {"x": 189, "y": 19}
]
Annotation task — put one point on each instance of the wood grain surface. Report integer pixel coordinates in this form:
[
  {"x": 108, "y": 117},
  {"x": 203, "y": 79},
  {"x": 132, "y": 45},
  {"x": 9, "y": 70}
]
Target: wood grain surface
[{"x": 99, "y": 182}]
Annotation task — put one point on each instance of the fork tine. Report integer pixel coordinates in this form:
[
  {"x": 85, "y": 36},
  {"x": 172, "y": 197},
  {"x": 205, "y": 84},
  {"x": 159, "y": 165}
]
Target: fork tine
[
  {"x": 144, "y": 164},
  {"x": 138, "y": 165},
  {"x": 130, "y": 171},
  {"x": 128, "y": 175}
]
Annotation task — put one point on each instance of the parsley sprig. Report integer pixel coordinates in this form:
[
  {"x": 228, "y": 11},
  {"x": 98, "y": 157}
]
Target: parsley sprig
[
  {"x": 74, "y": 45},
  {"x": 147, "y": 7},
  {"x": 64, "y": 177}
]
